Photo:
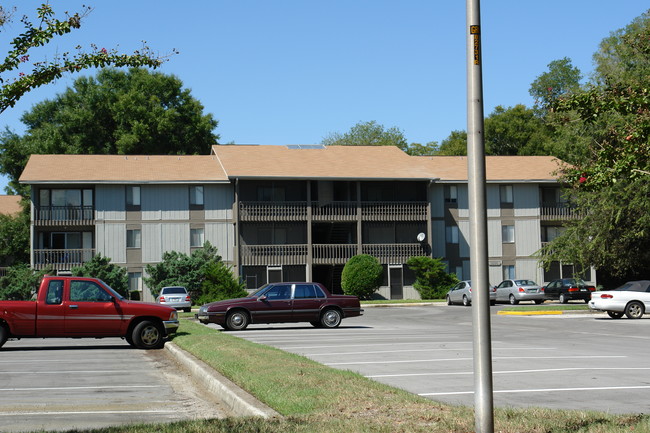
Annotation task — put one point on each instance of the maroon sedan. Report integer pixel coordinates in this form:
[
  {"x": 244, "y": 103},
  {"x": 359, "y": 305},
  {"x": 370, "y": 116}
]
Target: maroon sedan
[{"x": 282, "y": 302}]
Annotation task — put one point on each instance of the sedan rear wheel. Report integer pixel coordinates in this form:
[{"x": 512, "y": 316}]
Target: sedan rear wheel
[
  {"x": 237, "y": 320},
  {"x": 615, "y": 314},
  {"x": 330, "y": 318},
  {"x": 466, "y": 302},
  {"x": 634, "y": 310},
  {"x": 4, "y": 333},
  {"x": 513, "y": 300},
  {"x": 563, "y": 299},
  {"x": 539, "y": 301}
]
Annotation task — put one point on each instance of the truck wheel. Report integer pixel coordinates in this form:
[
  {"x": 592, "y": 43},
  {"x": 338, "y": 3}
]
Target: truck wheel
[
  {"x": 148, "y": 335},
  {"x": 4, "y": 334}
]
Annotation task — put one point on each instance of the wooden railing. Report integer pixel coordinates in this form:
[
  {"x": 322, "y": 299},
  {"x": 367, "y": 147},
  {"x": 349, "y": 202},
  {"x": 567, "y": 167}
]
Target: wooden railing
[
  {"x": 394, "y": 253},
  {"x": 393, "y": 211},
  {"x": 261, "y": 255},
  {"x": 333, "y": 254},
  {"x": 332, "y": 211},
  {"x": 64, "y": 215},
  {"x": 62, "y": 259},
  {"x": 553, "y": 211},
  {"x": 273, "y": 211}
]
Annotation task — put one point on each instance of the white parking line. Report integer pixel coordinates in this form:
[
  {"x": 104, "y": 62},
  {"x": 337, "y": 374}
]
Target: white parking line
[
  {"x": 414, "y": 350},
  {"x": 541, "y": 370},
  {"x": 98, "y": 412},
  {"x": 71, "y": 371},
  {"x": 68, "y": 388},
  {"x": 468, "y": 359},
  {"x": 356, "y": 344},
  {"x": 515, "y": 391}
]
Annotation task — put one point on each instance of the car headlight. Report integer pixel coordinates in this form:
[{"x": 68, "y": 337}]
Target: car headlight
[{"x": 203, "y": 309}]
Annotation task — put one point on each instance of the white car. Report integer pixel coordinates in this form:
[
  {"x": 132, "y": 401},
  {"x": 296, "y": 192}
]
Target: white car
[
  {"x": 461, "y": 293},
  {"x": 631, "y": 299}
]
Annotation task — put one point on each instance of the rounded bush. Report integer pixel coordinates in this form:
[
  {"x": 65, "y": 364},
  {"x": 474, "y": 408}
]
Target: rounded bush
[{"x": 362, "y": 276}]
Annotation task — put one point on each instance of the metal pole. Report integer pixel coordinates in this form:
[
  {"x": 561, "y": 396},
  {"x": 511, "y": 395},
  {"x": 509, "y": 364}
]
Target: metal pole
[{"x": 483, "y": 399}]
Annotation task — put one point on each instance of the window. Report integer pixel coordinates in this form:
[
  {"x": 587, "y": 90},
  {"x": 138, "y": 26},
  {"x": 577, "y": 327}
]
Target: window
[
  {"x": 135, "y": 281},
  {"x": 196, "y": 237},
  {"x": 451, "y": 193},
  {"x": 505, "y": 191},
  {"x": 304, "y": 291},
  {"x": 88, "y": 291},
  {"x": 508, "y": 273},
  {"x": 279, "y": 292},
  {"x": 54, "y": 292},
  {"x": 133, "y": 196},
  {"x": 133, "y": 238},
  {"x": 507, "y": 233},
  {"x": 451, "y": 234},
  {"x": 196, "y": 196}
]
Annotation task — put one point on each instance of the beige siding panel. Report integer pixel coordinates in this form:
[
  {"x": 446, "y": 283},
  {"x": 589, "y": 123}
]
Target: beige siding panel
[
  {"x": 526, "y": 199},
  {"x": 495, "y": 274},
  {"x": 151, "y": 243},
  {"x": 110, "y": 241},
  {"x": 528, "y": 237},
  {"x": 529, "y": 269},
  {"x": 176, "y": 237},
  {"x": 493, "y": 201},
  {"x": 463, "y": 201},
  {"x": 222, "y": 236},
  {"x": 495, "y": 243},
  {"x": 165, "y": 202},
  {"x": 219, "y": 200},
  {"x": 437, "y": 199},
  {"x": 110, "y": 203},
  {"x": 438, "y": 241},
  {"x": 463, "y": 238}
]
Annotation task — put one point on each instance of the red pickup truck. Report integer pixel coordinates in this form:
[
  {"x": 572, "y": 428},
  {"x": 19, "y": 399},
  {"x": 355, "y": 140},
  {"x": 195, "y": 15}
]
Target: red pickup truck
[{"x": 86, "y": 307}]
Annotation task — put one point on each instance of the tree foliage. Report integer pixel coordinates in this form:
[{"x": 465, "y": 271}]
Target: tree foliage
[
  {"x": 116, "y": 112},
  {"x": 20, "y": 72},
  {"x": 362, "y": 276},
  {"x": 368, "y": 134},
  {"x": 431, "y": 277},
  {"x": 20, "y": 282},
  {"x": 561, "y": 79},
  {"x": 220, "y": 283},
  {"x": 14, "y": 237},
  {"x": 101, "y": 267}
]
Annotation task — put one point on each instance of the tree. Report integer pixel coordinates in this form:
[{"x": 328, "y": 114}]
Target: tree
[
  {"x": 418, "y": 149},
  {"x": 431, "y": 277},
  {"x": 368, "y": 134},
  {"x": 178, "y": 269},
  {"x": 219, "y": 284},
  {"x": 454, "y": 145},
  {"x": 20, "y": 282},
  {"x": 14, "y": 237},
  {"x": 362, "y": 276},
  {"x": 515, "y": 131},
  {"x": 20, "y": 73},
  {"x": 561, "y": 79},
  {"x": 101, "y": 267},
  {"x": 118, "y": 112}
]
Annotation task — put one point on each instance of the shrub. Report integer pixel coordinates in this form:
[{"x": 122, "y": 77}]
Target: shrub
[
  {"x": 101, "y": 267},
  {"x": 362, "y": 276},
  {"x": 219, "y": 284},
  {"x": 431, "y": 277},
  {"x": 20, "y": 283}
]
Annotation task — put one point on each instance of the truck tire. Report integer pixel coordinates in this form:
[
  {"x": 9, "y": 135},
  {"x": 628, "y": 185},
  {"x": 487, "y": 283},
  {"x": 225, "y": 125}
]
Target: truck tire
[
  {"x": 4, "y": 334},
  {"x": 148, "y": 335}
]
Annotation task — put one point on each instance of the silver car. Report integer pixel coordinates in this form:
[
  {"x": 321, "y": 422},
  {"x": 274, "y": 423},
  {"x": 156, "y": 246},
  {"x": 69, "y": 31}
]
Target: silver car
[
  {"x": 461, "y": 293},
  {"x": 176, "y": 297},
  {"x": 514, "y": 291}
]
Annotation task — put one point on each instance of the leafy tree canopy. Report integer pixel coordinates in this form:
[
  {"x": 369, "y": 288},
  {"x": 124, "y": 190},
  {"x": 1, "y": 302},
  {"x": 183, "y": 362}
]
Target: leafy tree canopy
[
  {"x": 14, "y": 237},
  {"x": 20, "y": 283},
  {"x": 20, "y": 72},
  {"x": 362, "y": 276},
  {"x": 117, "y": 112},
  {"x": 431, "y": 277},
  {"x": 110, "y": 273},
  {"x": 562, "y": 78},
  {"x": 368, "y": 134}
]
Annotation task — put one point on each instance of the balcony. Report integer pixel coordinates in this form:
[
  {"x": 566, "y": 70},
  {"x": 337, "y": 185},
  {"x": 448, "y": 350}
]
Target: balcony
[
  {"x": 326, "y": 254},
  {"x": 62, "y": 260},
  {"x": 64, "y": 216},
  {"x": 333, "y": 211},
  {"x": 553, "y": 211}
]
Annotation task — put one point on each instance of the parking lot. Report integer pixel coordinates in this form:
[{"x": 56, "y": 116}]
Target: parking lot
[
  {"x": 582, "y": 361},
  {"x": 61, "y": 384}
]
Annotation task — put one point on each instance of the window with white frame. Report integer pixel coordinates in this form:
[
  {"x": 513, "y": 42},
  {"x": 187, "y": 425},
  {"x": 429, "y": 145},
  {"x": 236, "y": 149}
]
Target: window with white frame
[
  {"x": 451, "y": 234},
  {"x": 133, "y": 238},
  {"x": 196, "y": 237},
  {"x": 133, "y": 196},
  {"x": 196, "y": 195},
  {"x": 135, "y": 281},
  {"x": 505, "y": 191},
  {"x": 509, "y": 272},
  {"x": 507, "y": 233}
]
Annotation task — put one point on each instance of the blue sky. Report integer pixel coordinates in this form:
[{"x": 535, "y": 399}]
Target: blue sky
[{"x": 293, "y": 71}]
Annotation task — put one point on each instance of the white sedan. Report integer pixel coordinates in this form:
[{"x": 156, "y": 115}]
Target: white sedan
[{"x": 631, "y": 299}]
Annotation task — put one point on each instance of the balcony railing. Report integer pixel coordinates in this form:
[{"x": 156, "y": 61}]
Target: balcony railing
[
  {"x": 64, "y": 215},
  {"x": 332, "y": 211},
  {"x": 62, "y": 259},
  {"x": 334, "y": 254},
  {"x": 553, "y": 211}
]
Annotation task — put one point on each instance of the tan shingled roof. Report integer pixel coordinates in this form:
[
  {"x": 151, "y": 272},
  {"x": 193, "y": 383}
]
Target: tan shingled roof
[
  {"x": 340, "y": 162},
  {"x": 10, "y": 204},
  {"x": 122, "y": 168},
  {"x": 497, "y": 168}
]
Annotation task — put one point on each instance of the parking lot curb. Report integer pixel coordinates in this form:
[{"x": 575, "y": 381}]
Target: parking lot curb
[
  {"x": 529, "y": 313},
  {"x": 238, "y": 401}
]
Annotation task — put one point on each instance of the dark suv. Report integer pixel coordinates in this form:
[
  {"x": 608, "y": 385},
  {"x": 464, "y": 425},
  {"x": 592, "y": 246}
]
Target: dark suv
[{"x": 566, "y": 289}]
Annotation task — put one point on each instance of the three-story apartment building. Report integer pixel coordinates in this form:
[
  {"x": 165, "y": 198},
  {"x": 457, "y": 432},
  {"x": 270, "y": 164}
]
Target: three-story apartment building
[{"x": 291, "y": 212}]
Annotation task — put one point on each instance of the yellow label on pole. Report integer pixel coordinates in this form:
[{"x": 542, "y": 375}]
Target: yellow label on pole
[{"x": 476, "y": 31}]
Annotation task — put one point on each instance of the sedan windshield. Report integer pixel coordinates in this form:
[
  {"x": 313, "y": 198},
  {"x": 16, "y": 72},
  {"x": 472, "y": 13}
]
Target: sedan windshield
[{"x": 259, "y": 291}]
